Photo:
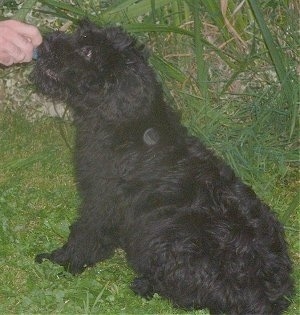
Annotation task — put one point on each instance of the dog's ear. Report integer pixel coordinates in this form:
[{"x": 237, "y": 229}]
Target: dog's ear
[{"x": 119, "y": 38}]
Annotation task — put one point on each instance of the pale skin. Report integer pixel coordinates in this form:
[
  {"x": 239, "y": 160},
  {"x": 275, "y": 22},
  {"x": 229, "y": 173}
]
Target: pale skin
[{"x": 17, "y": 42}]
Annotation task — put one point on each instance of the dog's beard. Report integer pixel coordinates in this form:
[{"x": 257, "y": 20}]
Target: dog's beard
[{"x": 51, "y": 74}]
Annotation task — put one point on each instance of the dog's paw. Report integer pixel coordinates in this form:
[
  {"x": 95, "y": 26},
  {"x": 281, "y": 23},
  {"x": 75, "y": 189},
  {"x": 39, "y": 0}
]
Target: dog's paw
[
  {"x": 61, "y": 256},
  {"x": 143, "y": 287}
]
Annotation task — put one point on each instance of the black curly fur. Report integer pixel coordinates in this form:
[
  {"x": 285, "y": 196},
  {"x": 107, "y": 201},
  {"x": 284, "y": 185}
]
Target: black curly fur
[{"x": 191, "y": 230}]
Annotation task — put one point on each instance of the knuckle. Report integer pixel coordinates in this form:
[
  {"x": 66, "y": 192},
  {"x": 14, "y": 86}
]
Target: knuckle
[{"x": 6, "y": 60}]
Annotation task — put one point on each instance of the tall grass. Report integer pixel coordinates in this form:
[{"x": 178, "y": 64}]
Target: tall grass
[
  {"x": 246, "y": 49},
  {"x": 277, "y": 57},
  {"x": 201, "y": 66},
  {"x": 241, "y": 34}
]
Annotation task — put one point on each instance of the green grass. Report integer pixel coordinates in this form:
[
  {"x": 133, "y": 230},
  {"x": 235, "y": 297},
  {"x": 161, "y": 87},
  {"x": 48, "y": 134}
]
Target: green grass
[{"x": 38, "y": 202}]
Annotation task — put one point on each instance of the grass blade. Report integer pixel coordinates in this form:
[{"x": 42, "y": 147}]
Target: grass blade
[
  {"x": 26, "y": 8},
  {"x": 59, "y": 5},
  {"x": 147, "y": 27},
  {"x": 202, "y": 71},
  {"x": 167, "y": 69},
  {"x": 275, "y": 51},
  {"x": 132, "y": 8}
]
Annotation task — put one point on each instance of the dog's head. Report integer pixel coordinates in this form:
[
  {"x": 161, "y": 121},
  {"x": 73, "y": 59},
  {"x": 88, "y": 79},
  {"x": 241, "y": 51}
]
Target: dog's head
[{"x": 95, "y": 68}]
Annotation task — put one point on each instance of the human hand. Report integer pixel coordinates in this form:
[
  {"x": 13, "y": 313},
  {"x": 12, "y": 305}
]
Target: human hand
[{"x": 17, "y": 41}]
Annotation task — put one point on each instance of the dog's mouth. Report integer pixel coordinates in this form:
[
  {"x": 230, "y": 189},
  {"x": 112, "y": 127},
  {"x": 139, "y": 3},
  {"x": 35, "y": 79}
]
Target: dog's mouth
[{"x": 44, "y": 62}]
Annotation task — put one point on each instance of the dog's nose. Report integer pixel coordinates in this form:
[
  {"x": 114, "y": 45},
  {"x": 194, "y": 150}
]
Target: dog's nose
[
  {"x": 41, "y": 50},
  {"x": 35, "y": 54}
]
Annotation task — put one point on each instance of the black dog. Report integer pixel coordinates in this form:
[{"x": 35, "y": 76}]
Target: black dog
[{"x": 192, "y": 231}]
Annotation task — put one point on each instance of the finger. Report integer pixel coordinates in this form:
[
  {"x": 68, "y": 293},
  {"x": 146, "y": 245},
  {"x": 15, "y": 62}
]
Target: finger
[
  {"x": 6, "y": 59},
  {"x": 36, "y": 37},
  {"x": 16, "y": 45},
  {"x": 29, "y": 32},
  {"x": 26, "y": 48},
  {"x": 18, "y": 50}
]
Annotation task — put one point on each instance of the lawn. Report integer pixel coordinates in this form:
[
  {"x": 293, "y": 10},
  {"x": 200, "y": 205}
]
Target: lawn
[{"x": 38, "y": 202}]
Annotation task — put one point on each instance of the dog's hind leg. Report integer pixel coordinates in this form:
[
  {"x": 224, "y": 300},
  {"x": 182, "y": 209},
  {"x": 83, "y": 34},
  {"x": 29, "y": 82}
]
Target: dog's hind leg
[
  {"x": 142, "y": 286},
  {"x": 87, "y": 244}
]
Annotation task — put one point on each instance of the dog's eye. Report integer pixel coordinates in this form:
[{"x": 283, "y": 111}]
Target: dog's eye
[{"x": 86, "y": 52}]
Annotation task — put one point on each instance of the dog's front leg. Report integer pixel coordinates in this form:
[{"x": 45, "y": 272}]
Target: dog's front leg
[{"x": 87, "y": 245}]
